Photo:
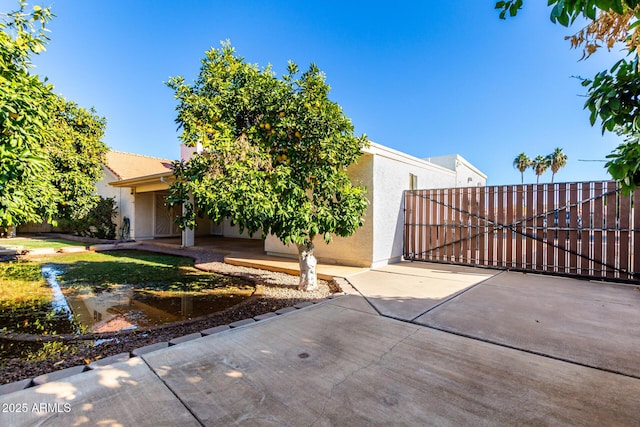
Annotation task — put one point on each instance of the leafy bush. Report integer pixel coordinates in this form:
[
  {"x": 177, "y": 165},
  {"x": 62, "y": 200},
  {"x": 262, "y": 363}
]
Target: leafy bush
[{"x": 98, "y": 223}]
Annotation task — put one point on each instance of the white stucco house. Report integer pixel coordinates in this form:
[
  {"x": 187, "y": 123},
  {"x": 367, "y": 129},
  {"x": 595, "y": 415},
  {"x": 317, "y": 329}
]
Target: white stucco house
[
  {"x": 139, "y": 185},
  {"x": 386, "y": 173}
]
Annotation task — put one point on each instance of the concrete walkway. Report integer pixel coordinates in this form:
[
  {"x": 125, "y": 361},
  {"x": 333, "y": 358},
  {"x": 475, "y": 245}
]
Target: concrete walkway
[
  {"x": 407, "y": 290},
  {"x": 481, "y": 348},
  {"x": 250, "y": 253}
]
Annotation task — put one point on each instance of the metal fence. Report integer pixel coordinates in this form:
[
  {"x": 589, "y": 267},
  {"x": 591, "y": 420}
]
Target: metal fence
[{"x": 583, "y": 228}]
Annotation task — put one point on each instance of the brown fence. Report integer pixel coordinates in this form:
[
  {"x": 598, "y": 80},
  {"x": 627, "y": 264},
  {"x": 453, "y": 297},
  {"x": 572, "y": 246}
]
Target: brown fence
[{"x": 585, "y": 228}]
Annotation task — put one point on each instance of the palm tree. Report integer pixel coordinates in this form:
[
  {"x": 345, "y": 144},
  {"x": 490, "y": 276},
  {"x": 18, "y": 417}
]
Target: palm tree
[
  {"x": 540, "y": 164},
  {"x": 522, "y": 163},
  {"x": 557, "y": 161}
]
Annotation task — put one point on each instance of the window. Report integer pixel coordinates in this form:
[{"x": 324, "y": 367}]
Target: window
[{"x": 413, "y": 182}]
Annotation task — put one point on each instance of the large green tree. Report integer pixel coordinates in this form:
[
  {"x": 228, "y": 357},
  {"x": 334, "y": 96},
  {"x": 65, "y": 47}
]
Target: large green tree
[
  {"x": 50, "y": 149},
  {"x": 613, "y": 94},
  {"x": 24, "y": 118},
  {"x": 273, "y": 154},
  {"x": 75, "y": 153}
]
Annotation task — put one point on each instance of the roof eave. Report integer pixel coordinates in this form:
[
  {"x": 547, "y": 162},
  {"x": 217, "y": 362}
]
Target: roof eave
[{"x": 143, "y": 180}]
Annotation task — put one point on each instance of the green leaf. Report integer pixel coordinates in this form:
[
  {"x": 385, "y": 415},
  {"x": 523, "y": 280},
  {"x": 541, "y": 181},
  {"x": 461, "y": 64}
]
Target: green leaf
[
  {"x": 563, "y": 19},
  {"x": 614, "y": 104}
]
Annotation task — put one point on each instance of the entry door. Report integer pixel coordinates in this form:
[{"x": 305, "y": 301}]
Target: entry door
[{"x": 164, "y": 223}]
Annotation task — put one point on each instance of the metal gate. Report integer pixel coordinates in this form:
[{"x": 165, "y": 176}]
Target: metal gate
[{"x": 582, "y": 229}]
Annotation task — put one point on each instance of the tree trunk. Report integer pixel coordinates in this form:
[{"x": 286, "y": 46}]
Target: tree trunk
[{"x": 308, "y": 276}]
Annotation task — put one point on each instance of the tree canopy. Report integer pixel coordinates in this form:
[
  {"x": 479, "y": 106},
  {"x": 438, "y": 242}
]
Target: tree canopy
[
  {"x": 273, "y": 153},
  {"x": 612, "y": 95},
  {"x": 557, "y": 160},
  {"x": 75, "y": 153},
  {"x": 50, "y": 149},
  {"x": 23, "y": 120},
  {"x": 540, "y": 164},
  {"x": 522, "y": 162}
]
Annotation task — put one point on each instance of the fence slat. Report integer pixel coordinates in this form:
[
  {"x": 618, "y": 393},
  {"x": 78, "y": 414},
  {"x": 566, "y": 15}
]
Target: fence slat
[
  {"x": 466, "y": 222},
  {"x": 455, "y": 225},
  {"x": 573, "y": 225},
  {"x": 450, "y": 225},
  {"x": 585, "y": 236},
  {"x": 611, "y": 202},
  {"x": 500, "y": 235},
  {"x": 408, "y": 198},
  {"x": 540, "y": 191},
  {"x": 433, "y": 228},
  {"x": 509, "y": 231},
  {"x": 562, "y": 227},
  {"x": 624, "y": 243},
  {"x": 518, "y": 217},
  {"x": 552, "y": 231},
  {"x": 529, "y": 227},
  {"x": 486, "y": 200},
  {"x": 636, "y": 233},
  {"x": 460, "y": 228},
  {"x": 598, "y": 225}
]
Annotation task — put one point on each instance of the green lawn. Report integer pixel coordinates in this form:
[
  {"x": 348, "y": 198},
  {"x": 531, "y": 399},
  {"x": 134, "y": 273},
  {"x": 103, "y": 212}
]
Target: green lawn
[
  {"x": 160, "y": 281},
  {"x": 22, "y": 284},
  {"x": 38, "y": 242},
  {"x": 143, "y": 270}
]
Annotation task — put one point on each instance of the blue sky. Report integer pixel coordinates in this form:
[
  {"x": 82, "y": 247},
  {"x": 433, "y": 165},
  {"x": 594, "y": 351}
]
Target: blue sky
[{"x": 427, "y": 77}]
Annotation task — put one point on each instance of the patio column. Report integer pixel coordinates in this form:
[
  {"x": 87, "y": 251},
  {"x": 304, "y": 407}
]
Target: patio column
[
  {"x": 188, "y": 237},
  {"x": 188, "y": 234}
]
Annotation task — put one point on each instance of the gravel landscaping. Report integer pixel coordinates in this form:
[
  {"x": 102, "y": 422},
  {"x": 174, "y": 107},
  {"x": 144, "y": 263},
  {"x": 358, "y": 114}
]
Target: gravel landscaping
[{"x": 274, "y": 291}]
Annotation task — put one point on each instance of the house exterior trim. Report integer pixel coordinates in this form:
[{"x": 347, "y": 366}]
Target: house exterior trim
[{"x": 164, "y": 178}]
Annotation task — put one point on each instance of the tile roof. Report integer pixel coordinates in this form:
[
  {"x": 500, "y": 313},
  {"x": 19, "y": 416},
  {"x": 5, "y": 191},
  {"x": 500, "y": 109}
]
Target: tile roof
[{"x": 127, "y": 165}]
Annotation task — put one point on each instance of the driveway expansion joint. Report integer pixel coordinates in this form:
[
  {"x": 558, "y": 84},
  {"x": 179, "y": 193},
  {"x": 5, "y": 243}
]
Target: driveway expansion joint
[
  {"x": 456, "y": 295},
  {"x": 524, "y": 350},
  {"x": 182, "y": 402}
]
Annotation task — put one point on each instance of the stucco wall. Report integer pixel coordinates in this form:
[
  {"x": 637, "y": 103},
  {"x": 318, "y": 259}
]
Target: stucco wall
[
  {"x": 125, "y": 201},
  {"x": 355, "y": 250},
  {"x": 467, "y": 175},
  {"x": 229, "y": 230},
  {"x": 145, "y": 206},
  {"x": 390, "y": 178},
  {"x": 386, "y": 174},
  {"x": 124, "y": 204}
]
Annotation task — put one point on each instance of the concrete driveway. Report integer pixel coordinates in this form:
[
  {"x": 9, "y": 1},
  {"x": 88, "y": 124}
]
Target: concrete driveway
[
  {"x": 591, "y": 323},
  {"x": 472, "y": 354}
]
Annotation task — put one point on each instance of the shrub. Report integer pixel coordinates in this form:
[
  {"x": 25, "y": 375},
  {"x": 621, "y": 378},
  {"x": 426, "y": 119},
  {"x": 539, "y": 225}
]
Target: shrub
[{"x": 98, "y": 223}]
